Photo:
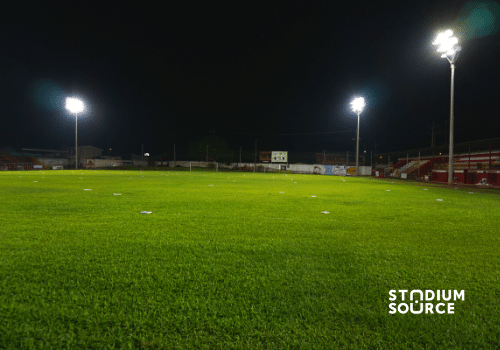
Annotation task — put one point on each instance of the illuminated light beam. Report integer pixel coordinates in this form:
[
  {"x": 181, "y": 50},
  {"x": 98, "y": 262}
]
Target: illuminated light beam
[
  {"x": 358, "y": 104},
  {"x": 446, "y": 43},
  {"x": 74, "y": 105}
]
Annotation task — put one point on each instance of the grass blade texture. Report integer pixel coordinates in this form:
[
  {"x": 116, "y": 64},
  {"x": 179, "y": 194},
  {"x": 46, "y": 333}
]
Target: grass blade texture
[{"x": 241, "y": 260}]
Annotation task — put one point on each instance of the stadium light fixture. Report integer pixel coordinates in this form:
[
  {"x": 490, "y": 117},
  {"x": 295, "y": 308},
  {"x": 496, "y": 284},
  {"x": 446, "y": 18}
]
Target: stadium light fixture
[
  {"x": 357, "y": 106},
  {"x": 75, "y": 106},
  {"x": 447, "y": 45}
]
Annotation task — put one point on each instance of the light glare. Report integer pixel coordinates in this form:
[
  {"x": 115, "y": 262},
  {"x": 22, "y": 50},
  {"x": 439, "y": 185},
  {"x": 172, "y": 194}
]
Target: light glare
[
  {"x": 74, "y": 105},
  {"x": 358, "y": 104},
  {"x": 446, "y": 43}
]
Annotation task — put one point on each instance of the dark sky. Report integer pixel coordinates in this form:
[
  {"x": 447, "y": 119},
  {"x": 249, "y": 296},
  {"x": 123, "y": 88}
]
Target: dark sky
[{"x": 175, "y": 73}]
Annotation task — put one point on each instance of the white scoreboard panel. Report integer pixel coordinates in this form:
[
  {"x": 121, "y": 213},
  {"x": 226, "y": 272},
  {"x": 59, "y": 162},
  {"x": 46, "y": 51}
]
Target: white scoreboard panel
[{"x": 279, "y": 157}]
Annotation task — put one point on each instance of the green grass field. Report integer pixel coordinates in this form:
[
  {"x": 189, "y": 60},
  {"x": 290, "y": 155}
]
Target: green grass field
[{"x": 241, "y": 260}]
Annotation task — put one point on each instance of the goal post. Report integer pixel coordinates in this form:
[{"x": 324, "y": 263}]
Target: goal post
[{"x": 204, "y": 166}]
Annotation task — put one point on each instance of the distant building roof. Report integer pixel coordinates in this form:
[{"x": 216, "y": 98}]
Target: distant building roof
[
  {"x": 7, "y": 149},
  {"x": 44, "y": 150},
  {"x": 100, "y": 149}
]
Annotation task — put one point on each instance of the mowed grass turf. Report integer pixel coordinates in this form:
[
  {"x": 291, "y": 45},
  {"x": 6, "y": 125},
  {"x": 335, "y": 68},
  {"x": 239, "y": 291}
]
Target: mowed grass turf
[{"x": 241, "y": 260}]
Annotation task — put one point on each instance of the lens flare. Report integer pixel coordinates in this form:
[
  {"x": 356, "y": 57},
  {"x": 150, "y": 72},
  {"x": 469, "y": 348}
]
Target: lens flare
[{"x": 478, "y": 19}]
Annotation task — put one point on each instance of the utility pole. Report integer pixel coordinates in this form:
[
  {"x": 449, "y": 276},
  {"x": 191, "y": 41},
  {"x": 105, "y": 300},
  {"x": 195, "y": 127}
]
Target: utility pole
[
  {"x": 433, "y": 135},
  {"x": 76, "y": 141},
  {"x": 255, "y": 158},
  {"x": 174, "y": 155}
]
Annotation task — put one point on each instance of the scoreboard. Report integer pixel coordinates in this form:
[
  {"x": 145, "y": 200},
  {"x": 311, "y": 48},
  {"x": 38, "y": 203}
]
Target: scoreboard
[{"x": 279, "y": 157}]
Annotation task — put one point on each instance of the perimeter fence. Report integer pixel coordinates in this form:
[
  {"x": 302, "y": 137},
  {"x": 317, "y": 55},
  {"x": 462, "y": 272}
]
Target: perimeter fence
[
  {"x": 180, "y": 157},
  {"x": 419, "y": 164},
  {"x": 19, "y": 166}
]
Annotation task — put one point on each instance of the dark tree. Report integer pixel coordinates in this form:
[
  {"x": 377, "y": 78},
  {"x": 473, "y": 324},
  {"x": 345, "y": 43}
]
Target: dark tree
[{"x": 218, "y": 150}]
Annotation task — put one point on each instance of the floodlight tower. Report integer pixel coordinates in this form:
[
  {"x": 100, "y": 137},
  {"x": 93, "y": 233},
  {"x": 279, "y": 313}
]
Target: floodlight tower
[
  {"x": 357, "y": 106},
  {"x": 74, "y": 105},
  {"x": 447, "y": 45}
]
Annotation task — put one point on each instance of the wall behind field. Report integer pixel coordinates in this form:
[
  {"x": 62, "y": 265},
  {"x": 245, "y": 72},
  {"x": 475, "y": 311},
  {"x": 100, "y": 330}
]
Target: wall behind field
[
  {"x": 64, "y": 162},
  {"x": 321, "y": 169}
]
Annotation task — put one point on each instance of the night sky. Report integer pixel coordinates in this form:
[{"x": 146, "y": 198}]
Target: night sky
[{"x": 283, "y": 73}]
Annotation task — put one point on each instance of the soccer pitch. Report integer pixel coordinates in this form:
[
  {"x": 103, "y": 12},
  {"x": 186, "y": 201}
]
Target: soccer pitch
[{"x": 242, "y": 260}]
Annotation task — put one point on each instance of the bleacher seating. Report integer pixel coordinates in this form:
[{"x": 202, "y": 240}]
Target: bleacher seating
[
  {"x": 396, "y": 168},
  {"x": 417, "y": 166},
  {"x": 478, "y": 161},
  {"x": 408, "y": 166},
  {"x": 462, "y": 162},
  {"x": 400, "y": 163},
  {"x": 14, "y": 162},
  {"x": 426, "y": 168}
]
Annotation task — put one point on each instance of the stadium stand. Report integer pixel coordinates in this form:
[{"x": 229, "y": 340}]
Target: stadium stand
[
  {"x": 11, "y": 162},
  {"x": 478, "y": 161},
  {"x": 474, "y": 168},
  {"x": 426, "y": 168},
  {"x": 400, "y": 163}
]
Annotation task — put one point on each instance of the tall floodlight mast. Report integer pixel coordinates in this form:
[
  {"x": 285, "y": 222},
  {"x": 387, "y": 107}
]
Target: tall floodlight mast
[
  {"x": 357, "y": 107},
  {"x": 447, "y": 45},
  {"x": 75, "y": 106}
]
